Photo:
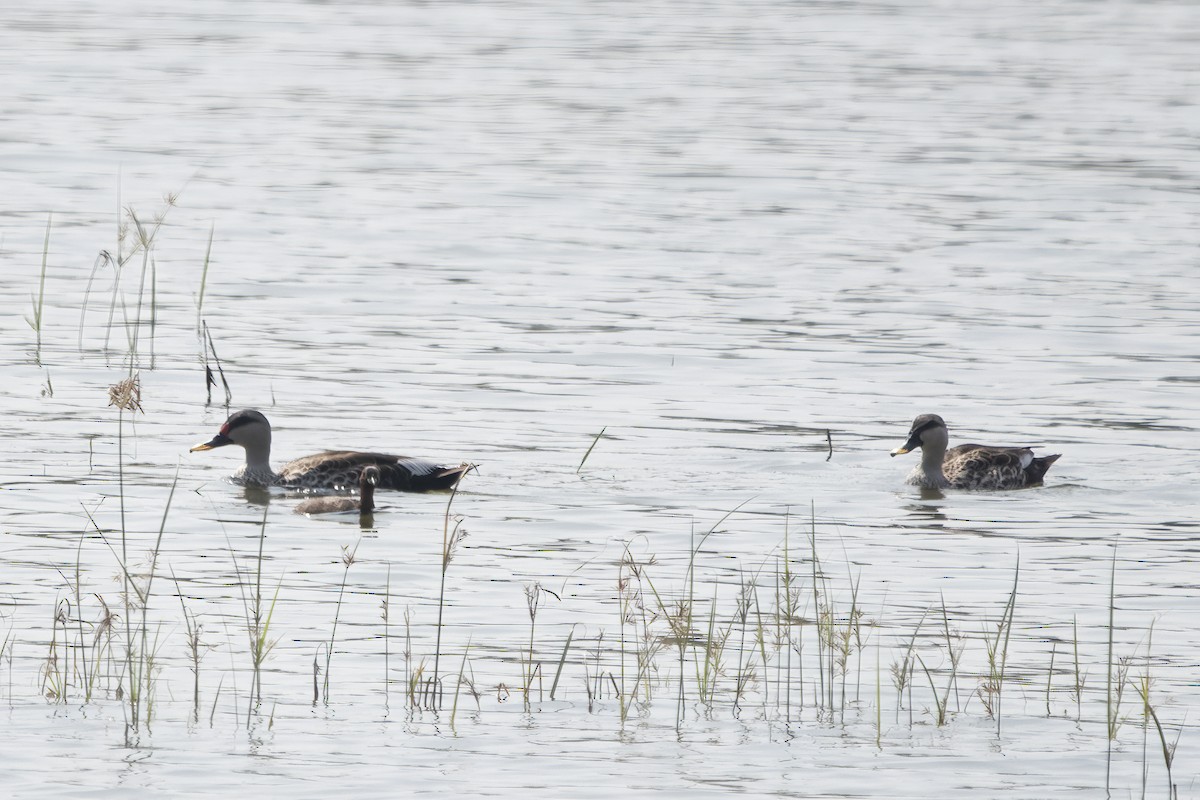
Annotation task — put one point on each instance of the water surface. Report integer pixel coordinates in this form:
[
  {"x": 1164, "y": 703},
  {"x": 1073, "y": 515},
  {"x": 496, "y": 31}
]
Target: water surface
[{"x": 728, "y": 235}]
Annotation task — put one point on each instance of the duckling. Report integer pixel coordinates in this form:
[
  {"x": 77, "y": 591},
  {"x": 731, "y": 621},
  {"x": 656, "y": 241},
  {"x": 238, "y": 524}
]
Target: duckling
[
  {"x": 969, "y": 466},
  {"x": 364, "y": 504},
  {"x": 332, "y": 470}
]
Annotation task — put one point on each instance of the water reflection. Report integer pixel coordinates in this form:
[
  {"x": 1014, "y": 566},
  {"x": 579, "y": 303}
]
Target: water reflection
[
  {"x": 928, "y": 514},
  {"x": 257, "y": 495},
  {"x": 932, "y": 493}
]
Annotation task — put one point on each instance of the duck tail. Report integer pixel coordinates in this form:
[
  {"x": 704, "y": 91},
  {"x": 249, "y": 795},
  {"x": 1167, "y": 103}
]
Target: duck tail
[
  {"x": 1040, "y": 466},
  {"x": 444, "y": 478}
]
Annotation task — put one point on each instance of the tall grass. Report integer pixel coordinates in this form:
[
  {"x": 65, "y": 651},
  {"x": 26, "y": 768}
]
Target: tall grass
[
  {"x": 144, "y": 301},
  {"x": 452, "y": 536},
  {"x": 195, "y": 646},
  {"x": 385, "y": 607},
  {"x": 707, "y": 639},
  {"x": 1143, "y": 685},
  {"x": 348, "y": 559},
  {"x": 258, "y": 614},
  {"x": 991, "y": 689},
  {"x": 1111, "y": 695},
  {"x": 530, "y": 667}
]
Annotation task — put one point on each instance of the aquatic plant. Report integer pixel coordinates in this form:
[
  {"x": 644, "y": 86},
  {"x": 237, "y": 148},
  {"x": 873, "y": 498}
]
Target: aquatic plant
[
  {"x": 39, "y": 300},
  {"x": 452, "y": 536},
  {"x": 348, "y": 559},
  {"x": 590, "y": 449}
]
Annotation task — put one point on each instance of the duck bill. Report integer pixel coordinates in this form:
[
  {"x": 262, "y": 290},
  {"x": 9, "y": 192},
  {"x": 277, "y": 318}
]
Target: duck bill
[
  {"x": 914, "y": 441},
  {"x": 216, "y": 441}
]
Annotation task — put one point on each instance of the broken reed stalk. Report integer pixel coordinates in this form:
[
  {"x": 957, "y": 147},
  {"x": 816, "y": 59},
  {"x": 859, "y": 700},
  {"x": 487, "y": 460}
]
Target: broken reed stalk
[
  {"x": 1079, "y": 676},
  {"x": 204, "y": 279},
  {"x": 209, "y": 381},
  {"x": 462, "y": 669},
  {"x": 39, "y": 302},
  {"x": 562, "y": 660},
  {"x": 103, "y": 258},
  {"x": 1050, "y": 676},
  {"x": 589, "y": 450}
]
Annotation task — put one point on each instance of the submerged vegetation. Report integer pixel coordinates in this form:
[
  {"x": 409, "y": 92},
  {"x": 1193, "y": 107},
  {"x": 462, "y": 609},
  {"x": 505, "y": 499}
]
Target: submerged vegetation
[{"x": 788, "y": 641}]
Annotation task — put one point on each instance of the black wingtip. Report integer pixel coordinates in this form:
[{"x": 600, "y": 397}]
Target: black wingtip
[{"x": 443, "y": 480}]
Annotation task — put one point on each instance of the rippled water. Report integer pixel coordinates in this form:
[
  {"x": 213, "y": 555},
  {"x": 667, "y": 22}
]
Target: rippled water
[{"x": 729, "y": 234}]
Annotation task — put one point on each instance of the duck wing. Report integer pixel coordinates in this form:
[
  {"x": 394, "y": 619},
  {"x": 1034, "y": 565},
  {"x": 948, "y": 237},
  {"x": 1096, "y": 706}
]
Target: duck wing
[
  {"x": 977, "y": 466},
  {"x": 340, "y": 470}
]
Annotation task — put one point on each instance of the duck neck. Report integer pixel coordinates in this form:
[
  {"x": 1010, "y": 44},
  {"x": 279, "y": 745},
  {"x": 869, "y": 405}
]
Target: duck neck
[
  {"x": 367, "y": 498},
  {"x": 932, "y": 459},
  {"x": 258, "y": 464}
]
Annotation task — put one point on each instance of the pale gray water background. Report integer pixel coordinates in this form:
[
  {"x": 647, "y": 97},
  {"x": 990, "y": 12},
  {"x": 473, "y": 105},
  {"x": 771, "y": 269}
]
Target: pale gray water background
[{"x": 484, "y": 232}]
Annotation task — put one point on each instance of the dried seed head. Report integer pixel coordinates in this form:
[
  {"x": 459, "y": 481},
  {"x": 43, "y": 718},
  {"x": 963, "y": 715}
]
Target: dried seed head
[{"x": 126, "y": 395}]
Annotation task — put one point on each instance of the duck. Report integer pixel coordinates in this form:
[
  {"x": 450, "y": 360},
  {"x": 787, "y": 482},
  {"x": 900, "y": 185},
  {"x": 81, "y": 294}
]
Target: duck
[
  {"x": 969, "y": 466},
  {"x": 364, "y": 504},
  {"x": 332, "y": 470}
]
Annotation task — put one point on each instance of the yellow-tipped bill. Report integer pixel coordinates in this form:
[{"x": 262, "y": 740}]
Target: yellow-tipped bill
[
  {"x": 217, "y": 441},
  {"x": 914, "y": 441}
]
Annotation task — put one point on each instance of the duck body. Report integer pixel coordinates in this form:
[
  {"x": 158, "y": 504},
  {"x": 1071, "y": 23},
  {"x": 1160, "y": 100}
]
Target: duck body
[
  {"x": 339, "y": 470},
  {"x": 969, "y": 466},
  {"x": 332, "y": 470},
  {"x": 364, "y": 504}
]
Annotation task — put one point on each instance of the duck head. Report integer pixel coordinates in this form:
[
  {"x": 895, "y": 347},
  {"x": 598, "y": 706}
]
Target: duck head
[
  {"x": 248, "y": 429},
  {"x": 370, "y": 476},
  {"x": 928, "y": 432}
]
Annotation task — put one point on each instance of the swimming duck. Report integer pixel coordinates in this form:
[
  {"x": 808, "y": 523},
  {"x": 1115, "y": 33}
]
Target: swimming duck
[
  {"x": 969, "y": 466},
  {"x": 364, "y": 504},
  {"x": 333, "y": 470}
]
